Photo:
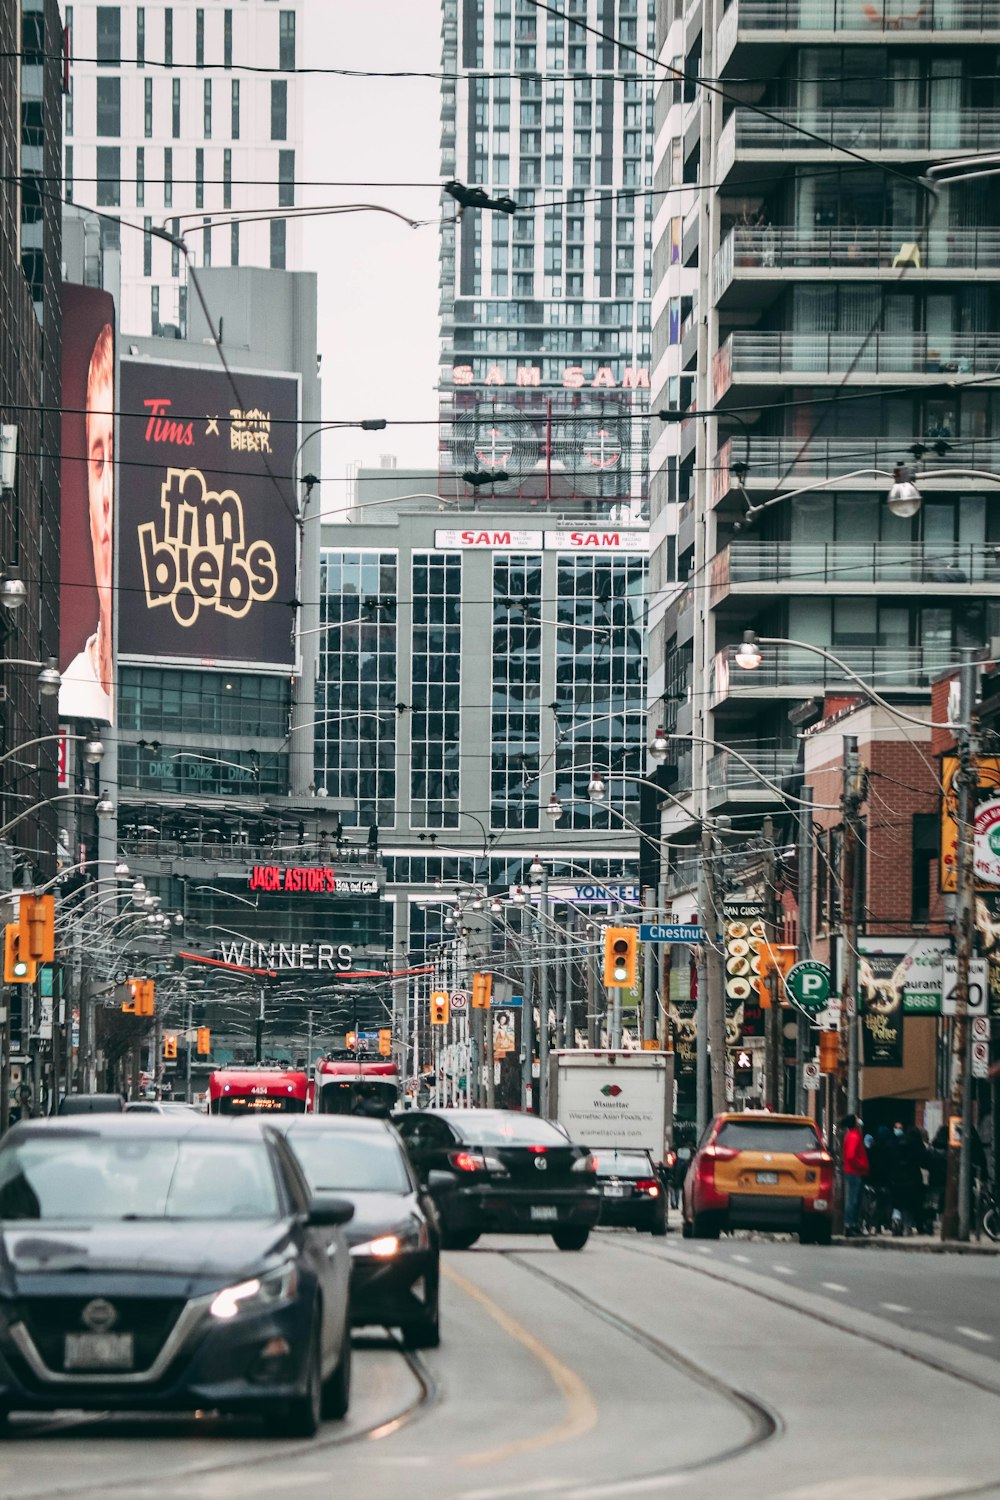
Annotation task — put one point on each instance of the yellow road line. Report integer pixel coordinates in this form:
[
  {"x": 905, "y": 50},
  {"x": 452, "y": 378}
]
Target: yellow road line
[{"x": 581, "y": 1408}]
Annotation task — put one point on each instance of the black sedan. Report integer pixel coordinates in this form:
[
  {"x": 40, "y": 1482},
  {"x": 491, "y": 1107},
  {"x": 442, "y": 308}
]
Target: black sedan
[
  {"x": 632, "y": 1191},
  {"x": 394, "y": 1238},
  {"x": 161, "y": 1264},
  {"x": 511, "y": 1173}
]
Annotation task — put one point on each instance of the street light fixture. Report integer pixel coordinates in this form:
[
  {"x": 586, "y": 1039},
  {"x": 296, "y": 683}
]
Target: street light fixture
[
  {"x": 554, "y": 808},
  {"x": 122, "y": 871},
  {"x": 13, "y": 592},
  {"x": 93, "y": 751},
  {"x": 596, "y": 788},
  {"x": 748, "y": 654},
  {"x": 536, "y": 870},
  {"x": 659, "y": 745},
  {"x": 105, "y": 807},
  {"x": 49, "y": 680}
]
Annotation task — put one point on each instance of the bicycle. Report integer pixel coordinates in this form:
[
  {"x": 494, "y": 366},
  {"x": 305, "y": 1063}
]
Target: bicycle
[{"x": 989, "y": 1210}]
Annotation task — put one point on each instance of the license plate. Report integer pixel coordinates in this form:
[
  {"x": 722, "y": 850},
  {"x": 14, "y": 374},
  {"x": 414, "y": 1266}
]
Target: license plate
[
  {"x": 767, "y": 1179},
  {"x": 98, "y": 1351},
  {"x": 613, "y": 1191},
  {"x": 544, "y": 1211}
]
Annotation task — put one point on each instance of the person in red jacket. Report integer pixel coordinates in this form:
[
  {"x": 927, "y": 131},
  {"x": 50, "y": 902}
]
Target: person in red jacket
[{"x": 855, "y": 1159}]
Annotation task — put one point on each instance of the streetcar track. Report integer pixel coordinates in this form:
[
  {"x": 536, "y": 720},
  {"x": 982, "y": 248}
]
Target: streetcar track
[
  {"x": 765, "y": 1423},
  {"x": 426, "y": 1397}
]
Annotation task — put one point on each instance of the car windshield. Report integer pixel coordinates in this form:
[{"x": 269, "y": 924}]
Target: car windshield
[
  {"x": 622, "y": 1163},
  {"x": 767, "y": 1135},
  {"x": 511, "y": 1130},
  {"x": 94, "y": 1178},
  {"x": 341, "y": 1161}
]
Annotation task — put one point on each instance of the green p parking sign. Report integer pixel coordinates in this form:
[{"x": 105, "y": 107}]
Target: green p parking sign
[{"x": 808, "y": 985}]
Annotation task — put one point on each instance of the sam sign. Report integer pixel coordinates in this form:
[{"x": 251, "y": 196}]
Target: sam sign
[{"x": 207, "y": 535}]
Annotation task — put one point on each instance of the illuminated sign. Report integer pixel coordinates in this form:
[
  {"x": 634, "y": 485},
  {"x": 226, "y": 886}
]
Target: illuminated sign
[
  {"x": 275, "y": 956},
  {"x": 597, "y": 541},
  {"x": 495, "y": 541},
  {"x": 573, "y": 377},
  {"x": 311, "y": 879}
]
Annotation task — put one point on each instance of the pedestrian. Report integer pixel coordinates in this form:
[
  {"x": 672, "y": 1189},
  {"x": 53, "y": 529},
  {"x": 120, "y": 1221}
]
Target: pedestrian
[
  {"x": 882, "y": 1175},
  {"x": 909, "y": 1185},
  {"x": 855, "y": 1163}
]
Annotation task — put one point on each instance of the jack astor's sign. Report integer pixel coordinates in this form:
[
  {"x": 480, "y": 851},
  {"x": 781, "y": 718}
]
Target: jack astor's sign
[{"x": 310, "y": 880}]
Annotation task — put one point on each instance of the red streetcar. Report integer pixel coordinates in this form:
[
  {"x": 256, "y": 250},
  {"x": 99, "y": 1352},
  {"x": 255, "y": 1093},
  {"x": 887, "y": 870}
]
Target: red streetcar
[
  {"x": 355, "y": 1085},
  {"x": 257, "y": 1090}
]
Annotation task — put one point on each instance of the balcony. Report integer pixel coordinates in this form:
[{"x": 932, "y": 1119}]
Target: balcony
[
  {"x": 840, "y": 567},
  {"x": 773, "y": 22},
  {"x": 791, "y": 672},
  {"x": 903, "y": 135},
  {"x": 788, "y": 463},
  {"x": 729, "y": 780},
  {"x": 801, "y": 357},
  {"x": 767, "y": 254}
]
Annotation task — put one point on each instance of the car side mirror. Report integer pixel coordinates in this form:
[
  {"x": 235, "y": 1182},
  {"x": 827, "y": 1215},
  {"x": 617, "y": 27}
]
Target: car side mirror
[
  {"x": 328, "y": 1213},
  {"x": 440, "y": 1182}
]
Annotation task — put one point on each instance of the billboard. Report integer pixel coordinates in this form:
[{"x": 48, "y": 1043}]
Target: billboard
[
  {"x": 87, "y": 521},
  {"x": 207, "y": 534}
]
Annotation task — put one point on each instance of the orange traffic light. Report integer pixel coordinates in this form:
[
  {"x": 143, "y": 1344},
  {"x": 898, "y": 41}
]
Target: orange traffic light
[
  {"x": 621, "y": 957},
  {"x": 385, "y": 1042},
  {"x": 18, "y": 966},
  {"x": 38, "y": 928},
  {"x": 170, "y": 1047},
  {"x": 204, "y": 1046},
  {"x": 440, "y": 1008},
  {"x": 829, "y": 1051},
  {"x": 146, "y": 999},
  {"x": 482, "y": 991}
]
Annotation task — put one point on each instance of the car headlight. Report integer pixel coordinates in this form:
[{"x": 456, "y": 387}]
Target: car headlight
[
  {"x": 412, "y": 1237},
  {"x": 258, "y": 1292}
]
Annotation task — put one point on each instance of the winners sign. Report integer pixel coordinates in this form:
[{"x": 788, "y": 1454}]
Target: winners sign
[{"x": 207, "y": 541}]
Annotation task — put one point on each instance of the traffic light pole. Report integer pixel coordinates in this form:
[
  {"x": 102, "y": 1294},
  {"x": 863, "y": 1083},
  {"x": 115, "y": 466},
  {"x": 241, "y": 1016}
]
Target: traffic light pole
[
  {"x": 190, "y": 1020},
  {"x": 527, "y": 1012},
  {"x": 544, "y": 939}
]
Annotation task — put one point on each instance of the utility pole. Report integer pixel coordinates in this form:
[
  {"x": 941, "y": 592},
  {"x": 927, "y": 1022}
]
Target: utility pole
[
  {"x": 955, "y": 1220},
  {"x": 568, "y": 1023},
  {"x": 650, "y": 988},
  {"x": 543, "y": 993},
  {"x": 710, "y": 1015},
  {"x": 258, "y": 1051},
  {"x": 803, "y": 1035},
  {"x": 773, "y": 1041},
  {"x": 850, "y": 916},
  {"x": 190, "y": 1025},
  {"x": 590, "y": 960},
  {"x": 527, "y": 1012}
]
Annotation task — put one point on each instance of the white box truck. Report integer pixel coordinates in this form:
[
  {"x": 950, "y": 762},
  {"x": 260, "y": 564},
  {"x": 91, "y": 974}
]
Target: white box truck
[{"x": 614, "y": 1099}]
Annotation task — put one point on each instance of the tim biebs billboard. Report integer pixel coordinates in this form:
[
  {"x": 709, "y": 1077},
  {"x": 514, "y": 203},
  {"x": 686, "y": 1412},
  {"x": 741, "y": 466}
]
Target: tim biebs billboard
[
  {"x": 207, "y": 535},
  {"x": 87, "y": 520}
]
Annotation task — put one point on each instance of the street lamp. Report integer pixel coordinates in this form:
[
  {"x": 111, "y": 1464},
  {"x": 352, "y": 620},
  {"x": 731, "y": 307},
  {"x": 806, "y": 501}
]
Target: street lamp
[
  {"x": 536, "y": 870},
  {"x": 105, "y": 807},
  {"x": 659, "y": 745},
  {"x": 596, "y": 788},
  {"x": 554, "y": 808},
  {"x": 748, "y": 655},
  {"x": 49, "y": 680},
  {"x": 13, "y": 592}
]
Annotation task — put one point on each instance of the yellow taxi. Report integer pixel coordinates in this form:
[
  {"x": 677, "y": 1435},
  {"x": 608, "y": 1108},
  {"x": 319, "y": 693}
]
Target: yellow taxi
[{"x": 760, "y": 1171}]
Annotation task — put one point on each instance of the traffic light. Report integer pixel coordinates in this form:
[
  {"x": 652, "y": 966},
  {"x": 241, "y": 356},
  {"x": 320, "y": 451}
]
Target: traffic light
[
  {"x": 146, "y": 998},
  {"x": 37, "y": 921},
  {"x": 829, "y": 1051},
  {"x": 18, "y": 967},
  {"x": 482, "y": 991},
  {"x": 621, "y": 957},
  {"x": 385, "y": 1042},
  {"x": 351, "y": 1041},
  {"x": 204, "y": 1045},
  {"x": 439, "y": 1008},
  {"x": 130, "y": 1007},
  {"x": 170, "y": 1047}
]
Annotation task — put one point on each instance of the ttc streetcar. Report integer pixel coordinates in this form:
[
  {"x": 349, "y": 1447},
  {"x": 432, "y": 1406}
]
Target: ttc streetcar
[{"x": 257, "y": 1090}]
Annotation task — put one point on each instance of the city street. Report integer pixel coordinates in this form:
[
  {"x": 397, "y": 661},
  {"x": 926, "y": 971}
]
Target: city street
[{"x": 749, "y": 1366}]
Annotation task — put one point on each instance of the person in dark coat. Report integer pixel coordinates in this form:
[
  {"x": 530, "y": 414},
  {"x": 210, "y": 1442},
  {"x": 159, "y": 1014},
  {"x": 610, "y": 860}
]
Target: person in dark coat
[
  {"x": 883, "y": 1174},
  {"x": 908, "y": 1187}
]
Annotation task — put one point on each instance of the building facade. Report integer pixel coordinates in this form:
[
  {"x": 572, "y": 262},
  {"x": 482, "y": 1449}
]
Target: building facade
[
  {"x": 30, "y": 252},
  {"x": 545, "y": 335},
  {"x": 186, "y": 116}
]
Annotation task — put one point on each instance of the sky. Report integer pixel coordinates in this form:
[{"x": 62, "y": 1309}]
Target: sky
[{"x": 378, "y": 291}]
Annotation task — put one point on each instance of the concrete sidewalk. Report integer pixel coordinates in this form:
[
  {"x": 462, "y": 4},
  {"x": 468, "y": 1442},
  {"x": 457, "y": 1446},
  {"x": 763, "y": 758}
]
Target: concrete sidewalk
[{"x": 928, "y": 1244}]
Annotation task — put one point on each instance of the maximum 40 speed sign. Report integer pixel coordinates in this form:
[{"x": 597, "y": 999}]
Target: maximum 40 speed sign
[{"x": 978, "y": 987}]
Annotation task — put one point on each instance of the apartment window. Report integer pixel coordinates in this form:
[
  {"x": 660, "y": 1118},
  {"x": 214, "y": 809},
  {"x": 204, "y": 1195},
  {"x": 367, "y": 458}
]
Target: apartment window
[
  {"x": 175, "y": 252},
  {"x": 168, "y": 37},
  {"x": 68, "y": 12},
  {"x": 199, "y": 38},
  {"x": 69, "y": 174},
  {"x": 206, "y": 242},
  {"x": 147, "y": 246},
  {"x": 199, "y": 177},
  {"x": 168, "y": 177},
  {"x": 175, "y": 108},
  {"x": 111, "y": 233},
  {"x": 208, "y": 109},
  {"x": 109, "y": 176},
  {"x": 147, "y": 104},
  {"x": 109, "y": 107},
  {"x": 68, "y": 111},
  {"x": 277, "y": 244},
  {"x": 286, "y": 41},
  {"x": 286, "y": 179},
  {"x": 140, "y": 176},
  {"x": 227, "y": 39},
  {"x": 234, "y": 243},
  {"x": 227, "y": 178},
  {"x": 109, "y": 35},
  {"x": 279, "y": 109},
  {"x": 182, "y": 310},
  {"x": 140, "y": 37},
  {"x": 154, "y": 308},
  {"x": 235, "y": 110}
]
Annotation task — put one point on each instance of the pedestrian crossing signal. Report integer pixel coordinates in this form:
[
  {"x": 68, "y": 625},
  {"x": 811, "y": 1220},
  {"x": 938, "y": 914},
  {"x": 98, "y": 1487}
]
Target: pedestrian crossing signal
[{"x": 439, "y": 1008}]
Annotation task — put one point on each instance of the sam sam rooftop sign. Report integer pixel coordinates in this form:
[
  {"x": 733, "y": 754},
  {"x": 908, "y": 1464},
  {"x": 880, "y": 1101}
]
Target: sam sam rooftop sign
[
  {"x": 505, "y": 539},
  {"x": 310, "y": 880}
]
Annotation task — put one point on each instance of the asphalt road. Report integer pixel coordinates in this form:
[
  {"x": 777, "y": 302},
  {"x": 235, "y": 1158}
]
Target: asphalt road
[{"x": 756, "y": 1369}]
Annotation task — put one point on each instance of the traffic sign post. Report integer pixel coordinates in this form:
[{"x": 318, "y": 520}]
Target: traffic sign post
[
  {"x": 980, "y": 1059},
  {"x": 808, "y": 984},
  {"x": 978, "y": 987},
  {"x": 671, "y": 932},
  {"x": 810, "y": 1077},
  {"x": 459, "y": 1000}
]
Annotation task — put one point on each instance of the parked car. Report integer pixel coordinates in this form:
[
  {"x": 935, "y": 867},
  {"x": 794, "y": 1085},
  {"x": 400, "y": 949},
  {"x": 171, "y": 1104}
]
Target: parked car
[
  {"x": 91, "y": 1104},
  {"x": 506, "y": 1172},
  {"x": 165, "y": 1264},
  {"x": 760, "y": 1171},
  {"x": 632, "y": 1190}
]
